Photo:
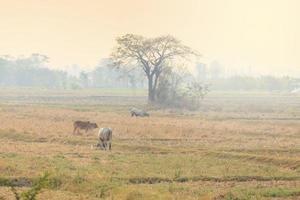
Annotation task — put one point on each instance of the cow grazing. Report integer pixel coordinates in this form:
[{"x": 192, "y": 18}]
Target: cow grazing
[
  {"x": 105, "y": 138},
  {"x": 86, "y": 125},
  {"x": 138, "y": 113}
]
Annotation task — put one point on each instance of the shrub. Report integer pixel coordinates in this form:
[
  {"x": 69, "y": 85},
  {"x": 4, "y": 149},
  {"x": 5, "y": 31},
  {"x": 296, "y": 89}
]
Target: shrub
[{"x": 36, "y": 188}]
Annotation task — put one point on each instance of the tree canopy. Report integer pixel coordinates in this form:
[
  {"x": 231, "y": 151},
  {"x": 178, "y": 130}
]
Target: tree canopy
[{"x": 150, "y": 54}]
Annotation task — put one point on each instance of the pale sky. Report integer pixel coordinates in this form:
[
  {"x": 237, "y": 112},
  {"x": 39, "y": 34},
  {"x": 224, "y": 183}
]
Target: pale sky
[{"x": 261, "y": 34}]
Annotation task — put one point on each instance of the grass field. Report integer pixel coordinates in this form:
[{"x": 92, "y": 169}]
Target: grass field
[{"x": 238, "y": 146}]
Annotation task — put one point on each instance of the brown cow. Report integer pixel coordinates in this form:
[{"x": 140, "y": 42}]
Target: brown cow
[{"x": 86, "y": 125}]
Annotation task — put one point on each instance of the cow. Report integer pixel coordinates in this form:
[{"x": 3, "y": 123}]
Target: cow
[
  {"x": 86, "y": 125},
  {"x": 104, "y": 139},
  {"x": 138, "y": 113}
]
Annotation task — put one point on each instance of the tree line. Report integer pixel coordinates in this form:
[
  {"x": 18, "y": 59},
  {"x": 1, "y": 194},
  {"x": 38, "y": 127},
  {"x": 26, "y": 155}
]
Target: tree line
[
  {"x": 33, "y": 71},
  {"x": 156, "y": 64},
  {"x": 262, "y": 83}
]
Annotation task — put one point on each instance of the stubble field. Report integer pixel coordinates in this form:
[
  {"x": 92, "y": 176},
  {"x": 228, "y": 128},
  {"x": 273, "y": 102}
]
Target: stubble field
[{"x": 238, "y": 146}]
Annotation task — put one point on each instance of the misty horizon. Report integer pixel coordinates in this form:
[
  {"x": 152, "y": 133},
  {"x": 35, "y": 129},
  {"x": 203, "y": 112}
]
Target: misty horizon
[{"x": 74, "y": 69}]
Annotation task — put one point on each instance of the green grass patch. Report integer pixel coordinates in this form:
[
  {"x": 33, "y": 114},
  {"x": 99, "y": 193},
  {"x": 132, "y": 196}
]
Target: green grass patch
[{"x": 238, "y": 193}]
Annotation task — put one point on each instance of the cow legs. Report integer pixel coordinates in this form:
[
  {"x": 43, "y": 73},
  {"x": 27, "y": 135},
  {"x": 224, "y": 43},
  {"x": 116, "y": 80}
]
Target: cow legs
[
  {"x": 102, "y": 144},
  {"x": 105, "y": 145},
  {"x": 76, "y": 130},
  {"x": 108, "y": 144}
]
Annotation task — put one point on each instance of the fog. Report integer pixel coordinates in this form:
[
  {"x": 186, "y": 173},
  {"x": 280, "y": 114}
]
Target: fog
[
  {"x": 172, "y": 49},
  {"x": 34, "y": 71},
  {"x": 256, "y": 37}
]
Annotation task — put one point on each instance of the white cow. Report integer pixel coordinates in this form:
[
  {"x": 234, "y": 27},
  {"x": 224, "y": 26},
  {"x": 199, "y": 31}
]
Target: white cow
[{"x": 104, "y": 138}]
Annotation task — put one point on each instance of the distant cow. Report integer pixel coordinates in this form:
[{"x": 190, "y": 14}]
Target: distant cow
[
  {"x": 138, "y": 113},
  {"x": 86, "y": 125},
  {"x": 105, "y": 138}
]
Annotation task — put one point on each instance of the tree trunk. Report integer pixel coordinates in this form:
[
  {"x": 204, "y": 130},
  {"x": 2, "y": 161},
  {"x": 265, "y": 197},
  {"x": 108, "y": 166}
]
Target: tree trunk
[{"x": 151, "y": 90}]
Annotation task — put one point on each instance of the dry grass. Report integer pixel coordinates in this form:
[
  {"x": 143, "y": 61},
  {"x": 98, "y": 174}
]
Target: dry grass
[{"x": 167, "y": 156}]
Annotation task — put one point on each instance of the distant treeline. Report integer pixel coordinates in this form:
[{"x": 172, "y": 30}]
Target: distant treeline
[
  {"x": 32, "y": 71},
  {"x": 214, "y": 74},
  {"x": 262, "y": 83},
  {"x": 29, "y": 71}
]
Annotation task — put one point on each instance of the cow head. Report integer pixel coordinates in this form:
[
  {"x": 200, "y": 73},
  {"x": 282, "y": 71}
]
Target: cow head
[
  {"x": 146, "y": 114},
  {"x": 97, "y": 146},
  {"x": 93, "y": 125}
]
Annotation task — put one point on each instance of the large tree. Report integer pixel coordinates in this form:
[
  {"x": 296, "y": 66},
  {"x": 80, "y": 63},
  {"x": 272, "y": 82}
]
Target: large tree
[{"x": 150, "y": 54}]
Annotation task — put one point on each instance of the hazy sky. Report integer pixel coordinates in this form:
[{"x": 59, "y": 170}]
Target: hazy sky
[{"x": 259, "y": 34}]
